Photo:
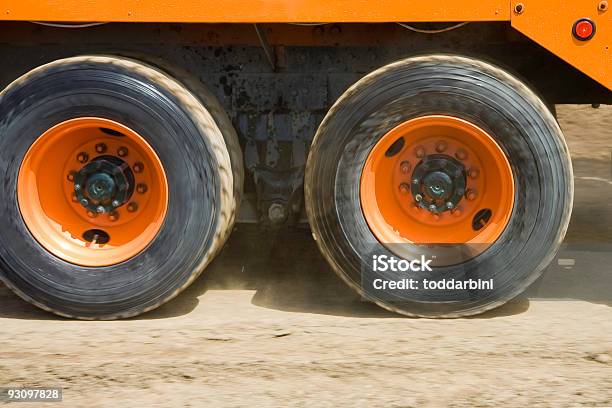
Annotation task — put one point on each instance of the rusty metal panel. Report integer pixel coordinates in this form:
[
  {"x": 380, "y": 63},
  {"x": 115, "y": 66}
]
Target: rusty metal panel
[
  {"x": 245, "y": 11},
  {"x": 549, "y": 23}
]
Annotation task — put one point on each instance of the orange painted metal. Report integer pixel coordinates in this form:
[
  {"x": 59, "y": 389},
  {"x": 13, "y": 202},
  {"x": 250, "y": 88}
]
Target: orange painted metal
[
  {"x": 45, "y": 193},
  {"x": 389, "y": 207},
  {"x": 547, "y": 22},
  {"x": 550, "y": 22},
  {"x": 255, "y": 11}
]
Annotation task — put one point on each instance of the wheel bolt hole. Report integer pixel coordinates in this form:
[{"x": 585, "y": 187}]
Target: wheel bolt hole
[
  {"x": 395, "y": 148},
  {"x": 138, "y": 167},
  {"x": 96, "y": 236},
  {"x": 481, "y": 219},
  {"x": 132, "y": 207},
  {"x": 111, "y": 132}
]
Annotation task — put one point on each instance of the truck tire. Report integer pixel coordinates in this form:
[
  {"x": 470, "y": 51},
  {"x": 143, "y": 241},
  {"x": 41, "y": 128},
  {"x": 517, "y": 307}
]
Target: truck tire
[
  {"x": 447, "y": 158},
  {"x": 119, "y": 182}
]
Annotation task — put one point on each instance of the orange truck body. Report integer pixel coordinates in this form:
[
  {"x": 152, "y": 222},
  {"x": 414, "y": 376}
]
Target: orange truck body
[{"x": 547, "y": 22}]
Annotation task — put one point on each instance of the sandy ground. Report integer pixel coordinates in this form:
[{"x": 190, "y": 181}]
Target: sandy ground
[{"x": 270, "y": 325}]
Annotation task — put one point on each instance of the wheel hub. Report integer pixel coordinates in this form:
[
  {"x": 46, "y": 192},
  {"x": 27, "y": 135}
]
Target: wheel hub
[
  {"x": 105, "y": 183},
  {"x": 438, "y": 183}
]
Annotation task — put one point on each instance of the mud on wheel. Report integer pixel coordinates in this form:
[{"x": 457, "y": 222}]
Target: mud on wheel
[
  {"x": 446, "y": 157},
  {"x": 119, "y": 186}
]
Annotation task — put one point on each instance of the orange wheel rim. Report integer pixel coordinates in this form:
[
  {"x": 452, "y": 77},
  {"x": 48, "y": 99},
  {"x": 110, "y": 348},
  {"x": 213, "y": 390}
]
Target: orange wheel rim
[
  {"x": 92, "y": 192},
  {"x": 409, "y": 169}
]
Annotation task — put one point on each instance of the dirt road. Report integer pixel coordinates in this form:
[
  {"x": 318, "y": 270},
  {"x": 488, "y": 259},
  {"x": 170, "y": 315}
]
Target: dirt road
[{"x": 269, "y": 325}]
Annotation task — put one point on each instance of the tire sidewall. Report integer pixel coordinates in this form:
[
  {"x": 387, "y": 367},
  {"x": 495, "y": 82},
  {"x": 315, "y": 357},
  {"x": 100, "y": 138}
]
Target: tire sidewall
[
  {"x": 87, "y": 88},
  {"x": 453, "y": 86}
]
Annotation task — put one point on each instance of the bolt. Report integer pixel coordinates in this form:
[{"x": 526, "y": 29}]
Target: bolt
[
  {"x": 113, "y": 216},
  {"x": 405, "y": 167},
  {"x": 77, "y": 187},
  {"x": 433, "y": 208},
  {"x": 450, "y": 205},
  {"x": 115, "y": 203},
  {"x": 141, "y": 188},
  {"x": 91, "y": 214},
  {"x": 519, "y": 8},
  {"x": 603, "y": 6},
  {"x": 101, "y": 148},
  {"x": 138, "y": 167},
  {"x": 418, "y": 197},
  {"x": 441, "y": 146},
  {"x": 404, "y": 188},
  {"x": 461, "y": 154},
  {"x": 131, "y": 207},
  {"x": 277, "y": 213},
  {"x": 473, "y": 173},
  {"x": 122, "y": 151},
  {"x": 70, "y": 176},
  {"x": 420, "y": 152},
  {"x": 471, "y": 194},
  {"x": 82, "y": 157},
  {"x": 100, "y": 209},
  {"x": 84, "y": 201}
]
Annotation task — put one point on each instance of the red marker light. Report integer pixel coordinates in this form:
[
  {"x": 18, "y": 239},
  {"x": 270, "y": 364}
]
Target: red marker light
[{"x": 584, "y": 29}]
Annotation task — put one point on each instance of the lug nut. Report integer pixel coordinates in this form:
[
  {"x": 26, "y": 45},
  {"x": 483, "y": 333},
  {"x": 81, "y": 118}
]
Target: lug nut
[
  {"x": 101, "y": 148},
  {"x": 405, "y": 167},
  {"x": 70, "y": 175},
  {"x": 420, "y": 152},
  {"x": 100, "y": 209},
  {"x": 115, "y": 203},
  {"x": 471, "y": 194},
  {"x": 77, "y": 187},
  {"x": 473, "y": 173},
  {"x": 82, "y": 157},
  {"x": 113, "y": 216},
  {"x": 84, "y": 201},
  {"x": 450, "y": 205},
  {"x": 404, "y": 188},
  {"x": 461, "y": 154},
  {"x": 122, "y": 151},
  {"x": 441, "y": 146},
  {"x": 138, "y": 167},
  {"x": 142, "y": 188},
  {"x": 131, "y": 207},
  {"x": 432, "y": 208},
  {"x": 91, "y": 214}
]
